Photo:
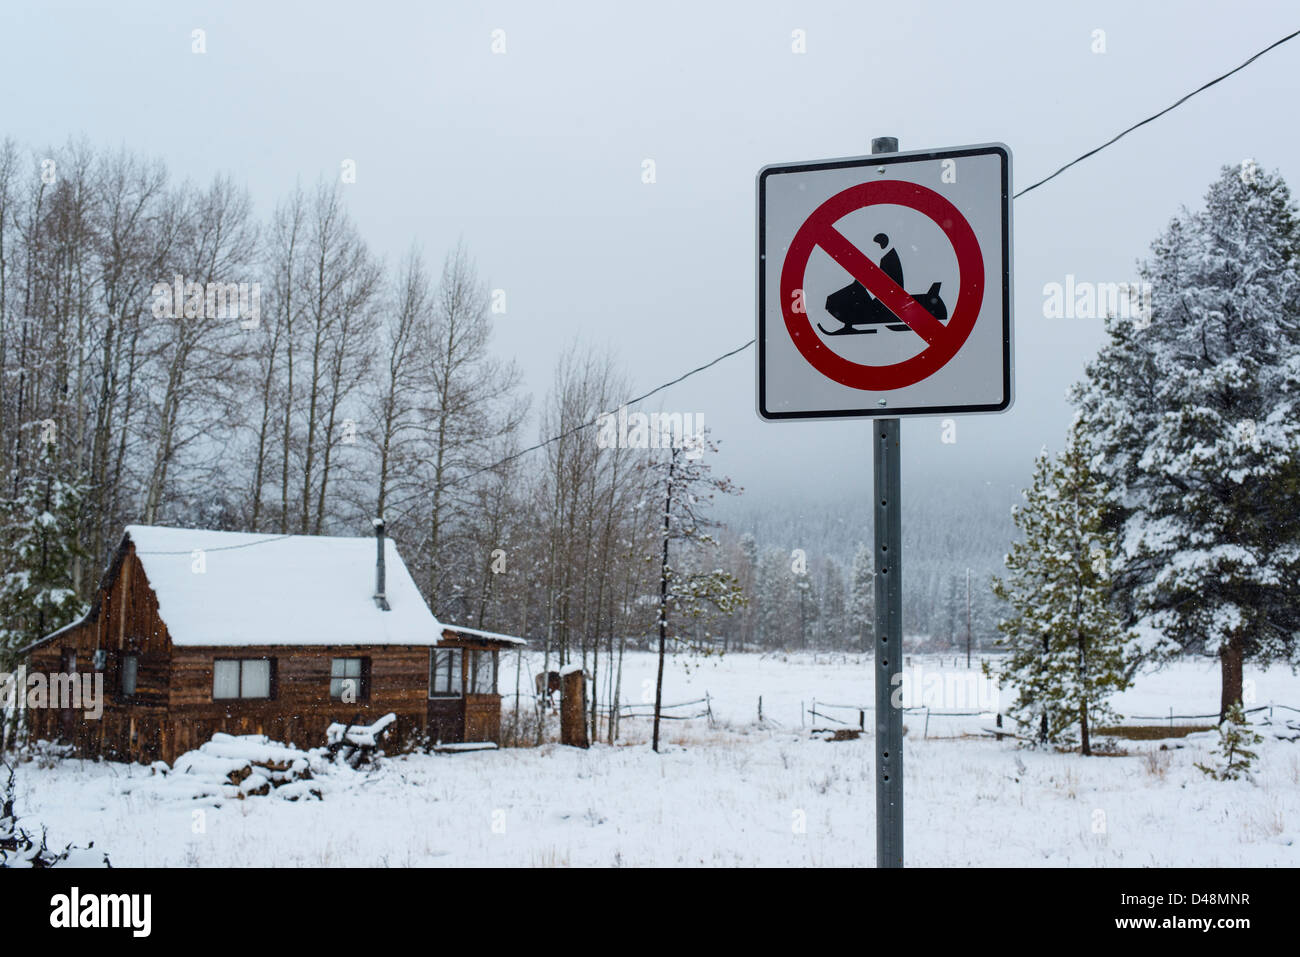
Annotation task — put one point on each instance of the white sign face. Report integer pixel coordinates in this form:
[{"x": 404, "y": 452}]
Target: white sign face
[{"x": 884, "y": 285}]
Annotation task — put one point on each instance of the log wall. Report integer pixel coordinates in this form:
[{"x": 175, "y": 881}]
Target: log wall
[{"x": 173, "y": 710}]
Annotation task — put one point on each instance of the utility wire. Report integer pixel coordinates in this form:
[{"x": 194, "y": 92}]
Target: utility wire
[
  {"x": 586, "y": 425},
  {"x": 221, "y": 548},
  {"x": 1079, "y": 159},
  {"x": 1156, "y": 116},
  {"x": 726, "y": 355}
]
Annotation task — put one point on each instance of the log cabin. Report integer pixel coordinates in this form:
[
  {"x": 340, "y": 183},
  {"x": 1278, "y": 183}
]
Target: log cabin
[{"x": 198, "y": 632}]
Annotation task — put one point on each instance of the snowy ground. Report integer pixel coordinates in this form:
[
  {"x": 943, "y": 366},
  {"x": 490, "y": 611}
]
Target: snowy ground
[{"x": 733, "y": 794}]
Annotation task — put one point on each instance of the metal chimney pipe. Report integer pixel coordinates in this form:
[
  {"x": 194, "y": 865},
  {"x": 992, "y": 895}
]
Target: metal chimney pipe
[{"x": 380, "y": 600}]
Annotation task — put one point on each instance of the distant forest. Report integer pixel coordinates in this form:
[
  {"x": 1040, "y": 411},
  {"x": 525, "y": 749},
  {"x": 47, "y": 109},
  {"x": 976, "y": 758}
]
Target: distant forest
[{"x": 947, "y": 529}]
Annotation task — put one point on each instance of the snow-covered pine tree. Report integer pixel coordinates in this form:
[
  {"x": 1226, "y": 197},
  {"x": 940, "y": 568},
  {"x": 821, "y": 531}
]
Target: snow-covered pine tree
[
  {"x": 1236, "y": 739},
  {"x": 39, "y": 543},
  {"x": 1067, "y": 648},
  {"x": 1195, "y": 414},
  {"x": 862, "y": 596},
  {"x": 749, "y": 579},
  {"x": 776, "y": 599},
  {"x": 832, "y": 604},
  {"x": 806, "y": 603}
]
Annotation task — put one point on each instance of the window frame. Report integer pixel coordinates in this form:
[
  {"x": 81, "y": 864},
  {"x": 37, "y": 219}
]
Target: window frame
[
  {"x": 134, "y": 659},
  {"x": 459, "y": 691},
  {"x": 478, "y": 656},
  {"x": 272, "y": 684},
  {"x": 362, "y": 678}
]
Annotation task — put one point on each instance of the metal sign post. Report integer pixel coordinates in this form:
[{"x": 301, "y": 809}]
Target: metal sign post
[
  {"x": 923, "y": 327},
  {"x": 886, "y": 445}
]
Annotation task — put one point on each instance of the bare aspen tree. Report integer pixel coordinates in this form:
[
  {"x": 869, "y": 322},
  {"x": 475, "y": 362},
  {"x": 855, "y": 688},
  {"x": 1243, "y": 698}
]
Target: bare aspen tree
[
  {"x": 400, "y": 375},
  {"x": 351, "y": 352},
  {"x": 138, "y": 229},
  {"x": 470, "y": 404},
  {"x": 493, "y": 527},
  {"x": 589, "y": 497},
  {"x": 290, "y": 227},
  {"x": 196, "y": 348},
  {"x": 272, "y": 359},
  {"x": 340, "y": 286}
]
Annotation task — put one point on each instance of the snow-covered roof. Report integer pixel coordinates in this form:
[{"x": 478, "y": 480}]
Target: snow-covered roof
[
  {"x": 260, "y": 589},
  {"x": 489, "y": 635}
]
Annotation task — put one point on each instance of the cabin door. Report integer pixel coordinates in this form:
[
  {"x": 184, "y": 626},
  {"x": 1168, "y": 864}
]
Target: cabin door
[
  {"x": 447, "y": 720},
  {"x": 446, "y": 695},
  {"x": 67, "y": 715}
]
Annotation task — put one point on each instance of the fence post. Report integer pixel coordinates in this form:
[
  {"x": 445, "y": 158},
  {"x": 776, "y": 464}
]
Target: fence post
[
  {"x": 801, "y": 714},
  {"x": 708, "y": 707},
  {"x": 760, "y": 709},
  {"x": 927, "y": 722},
  {"x": 573, "y": 709},
  {"x": 862, "y": 720},
  {"x": 1171, "y": 716}
]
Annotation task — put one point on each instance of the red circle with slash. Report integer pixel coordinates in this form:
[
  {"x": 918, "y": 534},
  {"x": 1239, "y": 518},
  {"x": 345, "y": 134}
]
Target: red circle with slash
[{"x": 942, "y": 341}]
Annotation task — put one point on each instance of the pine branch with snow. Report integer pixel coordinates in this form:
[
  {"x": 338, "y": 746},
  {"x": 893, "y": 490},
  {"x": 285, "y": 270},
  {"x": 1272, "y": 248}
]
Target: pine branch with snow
[
  {"x": 1195, "y": 416},
  {"x": 38, "y": 537},
  {"x": 1234, "y": 749},
  {"x": 1067, "y": 650}
]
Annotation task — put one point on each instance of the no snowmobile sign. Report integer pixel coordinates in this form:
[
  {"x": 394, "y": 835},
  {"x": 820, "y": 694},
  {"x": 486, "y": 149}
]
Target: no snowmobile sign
[{"x": 884, "y": 285}]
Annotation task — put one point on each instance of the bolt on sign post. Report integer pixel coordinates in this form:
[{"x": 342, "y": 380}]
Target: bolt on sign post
[{"x": 884, "y": 291}]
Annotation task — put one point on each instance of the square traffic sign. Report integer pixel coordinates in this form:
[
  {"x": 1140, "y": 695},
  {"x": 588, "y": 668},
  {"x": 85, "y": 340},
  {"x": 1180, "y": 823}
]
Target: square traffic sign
[{"x": 884, "y": 285}]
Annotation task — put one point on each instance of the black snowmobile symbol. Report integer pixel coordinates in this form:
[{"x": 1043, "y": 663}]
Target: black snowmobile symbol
[{"x": 860, "y": 312}]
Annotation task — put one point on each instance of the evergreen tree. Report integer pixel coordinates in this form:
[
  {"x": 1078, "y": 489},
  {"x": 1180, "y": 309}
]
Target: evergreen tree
[
  {"x": 832, "y": 604},
  {"x": 862, "y": 596},
  {"x": 38, "y": 541},
  {"x": 1236, "y": 739},
  {"x": 806, "y": 603},
  {"x": 777, "y": 600},
  {"x": 1193, "y": 410},
  {"x": 1067, "y": 649},
  {"x": 750, "y": 581}
]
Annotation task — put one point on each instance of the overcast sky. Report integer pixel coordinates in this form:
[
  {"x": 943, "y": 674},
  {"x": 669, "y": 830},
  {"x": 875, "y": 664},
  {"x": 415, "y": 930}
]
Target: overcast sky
[{"x": 535, "y": 157}]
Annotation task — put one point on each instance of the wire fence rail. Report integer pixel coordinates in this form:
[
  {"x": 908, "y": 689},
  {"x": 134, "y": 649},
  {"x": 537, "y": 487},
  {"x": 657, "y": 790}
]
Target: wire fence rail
[
  {"x": 813, "y": 709},
  {"x": 914, "y": 709},
  {"x": 1171, "y": 717},
  {"x": 930, "y": 712},
  {"x": 666, "y": 711}
]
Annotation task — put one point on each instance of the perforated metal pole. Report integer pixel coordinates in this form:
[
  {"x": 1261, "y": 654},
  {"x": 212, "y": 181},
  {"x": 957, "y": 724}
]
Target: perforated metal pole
[{"x": 889, "y": 624}]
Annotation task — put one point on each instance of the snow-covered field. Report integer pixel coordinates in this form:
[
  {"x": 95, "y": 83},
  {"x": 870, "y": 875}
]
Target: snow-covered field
[{"x": 736, "y": 793}]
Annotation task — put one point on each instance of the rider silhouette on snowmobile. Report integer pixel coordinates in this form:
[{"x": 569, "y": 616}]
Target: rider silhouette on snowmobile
[{"x": 860, "y": 311}]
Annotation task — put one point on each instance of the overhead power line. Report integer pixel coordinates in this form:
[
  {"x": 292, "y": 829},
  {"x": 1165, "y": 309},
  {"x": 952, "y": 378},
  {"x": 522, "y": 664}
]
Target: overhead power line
[
  {"x": 1079, "y": 159},
  {"x": 1155, "y": 116},
  {"x": 578, "y": 428},
  {"x": 221, "y": 548},
  {"x": 726, "y": 355}
]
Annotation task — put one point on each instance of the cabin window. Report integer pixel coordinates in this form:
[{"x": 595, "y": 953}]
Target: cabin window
[
  {"x": 484, "y": 680},
  {"x": 241, "y": 678},
  {"x": 444, "y": 672},
  {"x": 349, "y": 679},
  {"x": 130, "y": 669}
]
